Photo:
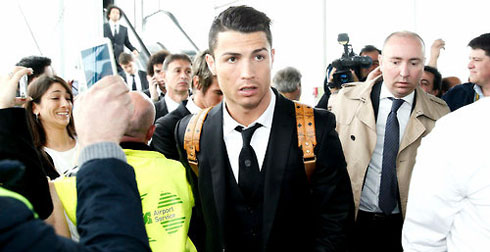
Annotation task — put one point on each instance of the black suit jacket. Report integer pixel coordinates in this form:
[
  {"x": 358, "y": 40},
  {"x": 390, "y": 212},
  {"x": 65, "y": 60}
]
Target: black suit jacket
[
  {"x": 144, "y": 82},
  {"x": 119, "y": 41},
  {"x": 298, "y": 215},
  {"x": 163, "y": 139},
  {"x": 160, "y": 109},
  {"x": 459, "y": 96},
  {"x": 16, "y": 144}
]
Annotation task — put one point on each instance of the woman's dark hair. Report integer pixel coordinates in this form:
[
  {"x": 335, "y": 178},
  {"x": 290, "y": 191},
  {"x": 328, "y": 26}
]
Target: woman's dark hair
[{"x": 36, "y": 90}]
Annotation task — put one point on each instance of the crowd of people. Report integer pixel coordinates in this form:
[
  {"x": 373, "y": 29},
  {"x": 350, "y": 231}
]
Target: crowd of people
[{"x": 215, "y": 154}]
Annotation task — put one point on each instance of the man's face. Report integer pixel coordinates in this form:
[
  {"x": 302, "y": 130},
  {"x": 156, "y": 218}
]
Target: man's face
[
  {"x": 242, "y": 63},
  {"x": 427, "y": 83},
  {"x": 374, "y": 56},
  {"x": 178, "y": 76},
  {"x": 402, "y": 64},
  {"x": 114, "y": 15},
  {"x": 479, "y": 67},
  {"x": 213, "y": 94},
  {"x": 129, "y": 68},
  {"x": 159, "y": 74}
]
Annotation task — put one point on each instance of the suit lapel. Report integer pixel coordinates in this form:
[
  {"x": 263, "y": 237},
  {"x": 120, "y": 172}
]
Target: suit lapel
[
  {"x": 217, "y": 161},
  {"x": 276, "y": 158},
  {"x": 415, "y": 128}
]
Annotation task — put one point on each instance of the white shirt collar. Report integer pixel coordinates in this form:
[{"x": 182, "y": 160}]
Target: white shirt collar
[
  {"x": 192, "y": 107},
  {"x": 171, "y": 104},
  {"x": 113, "y": 23},
  {"x": 478, "y": 90},
  {"x": 385, "y": 94},
  {"x": 229, "y": 124}
]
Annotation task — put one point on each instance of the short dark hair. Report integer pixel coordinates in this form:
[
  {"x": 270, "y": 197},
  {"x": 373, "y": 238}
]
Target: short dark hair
[
  {"x": 157, "y": 58},
  {"x": 125, "y": 58},
  {"x": 437, "y": 77},
  {"x": 242, "y": 19},
  {"x": 287, "y": 80},
  {"x": 109, "y": 9},
  {"x": 369, "y": 48},
  {"x": 200, "y": 69},
  {"x": 173, "y": 57},
  {"x": 37, "y": 63},
  {"x": 481, "y": 42}
]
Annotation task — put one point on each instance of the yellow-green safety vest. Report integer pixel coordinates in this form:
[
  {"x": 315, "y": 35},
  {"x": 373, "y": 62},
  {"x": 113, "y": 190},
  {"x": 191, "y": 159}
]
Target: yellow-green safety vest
[{"x": 166, "y": 199}]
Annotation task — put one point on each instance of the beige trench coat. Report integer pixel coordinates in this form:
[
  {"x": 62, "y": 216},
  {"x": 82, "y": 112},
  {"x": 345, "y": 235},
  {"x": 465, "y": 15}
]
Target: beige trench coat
[{"x": 356, "y": 127}]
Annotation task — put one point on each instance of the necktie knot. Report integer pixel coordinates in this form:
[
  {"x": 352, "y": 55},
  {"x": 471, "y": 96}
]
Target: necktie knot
[
  {"x": 397, "y": 103},
  {"x": 247, "y": 133}
]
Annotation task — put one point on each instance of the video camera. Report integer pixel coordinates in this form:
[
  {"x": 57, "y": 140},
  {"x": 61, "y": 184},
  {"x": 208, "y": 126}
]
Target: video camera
[{"x": 349, "y": 61}]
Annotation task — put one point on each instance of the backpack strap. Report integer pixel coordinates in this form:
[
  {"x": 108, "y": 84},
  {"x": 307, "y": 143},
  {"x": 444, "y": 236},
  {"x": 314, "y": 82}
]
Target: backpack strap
[
  {"x": 305, "y": 124},
  {"x": 192, "y": 137}
]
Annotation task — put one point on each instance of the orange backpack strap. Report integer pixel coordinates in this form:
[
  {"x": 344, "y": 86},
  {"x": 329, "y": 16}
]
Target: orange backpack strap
[
  {"x": 192, "y": 137},
  {"x": 305, "y": 123}
]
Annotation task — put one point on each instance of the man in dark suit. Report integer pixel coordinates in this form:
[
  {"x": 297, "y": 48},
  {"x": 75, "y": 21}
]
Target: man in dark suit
[
  {"x": 155, "y": 75},
  {"x": 101, "y": 160},
  {"x": 254, "y": 195},
  {"x": 479, "y": 66},
  {"x": 177, "y": 75},
  {"x": 206, "y": 93},
  {"x": 117, "y": 33},
  {"x": 134, "y": 78}
]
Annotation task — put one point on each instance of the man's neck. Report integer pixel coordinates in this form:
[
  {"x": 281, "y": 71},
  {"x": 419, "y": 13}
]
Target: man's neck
[
  {"x": 177, "y": 97},
  {"x": 485, "y": 89},
  {"x": 246, "y": 116}
]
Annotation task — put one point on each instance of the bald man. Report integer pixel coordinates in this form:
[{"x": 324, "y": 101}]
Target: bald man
[
  {"x": 380, "y": 125},
  {"x": 166, "y": 221}
]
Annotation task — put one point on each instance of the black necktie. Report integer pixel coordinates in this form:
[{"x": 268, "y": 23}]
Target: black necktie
[
  {"x": 249, "y": 172},
  {"x": 134, "y": 83},
  {"x": 388, "y": 187},
  {"x": 115, "y": 30}
]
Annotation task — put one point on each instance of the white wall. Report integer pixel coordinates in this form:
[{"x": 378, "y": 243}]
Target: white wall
[
  {"x": 302, "y": 35},
  {"x": 61, "y": 28}
]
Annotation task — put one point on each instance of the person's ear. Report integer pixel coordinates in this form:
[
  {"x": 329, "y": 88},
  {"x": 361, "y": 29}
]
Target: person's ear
[
  {"x": 195, "y": 83},
  {"x": 36, "y": 108},
  {"x": 211, "y": 63}
]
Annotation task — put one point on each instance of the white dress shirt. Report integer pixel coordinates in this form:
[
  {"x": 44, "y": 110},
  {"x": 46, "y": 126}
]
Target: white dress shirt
[
  {"x": 171, "y": 104},
  {"x": 114, "y": 27},
  {"x": 192, "y": 107},
  {"x": 260, "y": 138},
  {"x": 137, "y": 79},
  {"x": 370, "y": 191},
  {"x": 449, "y": 199}
]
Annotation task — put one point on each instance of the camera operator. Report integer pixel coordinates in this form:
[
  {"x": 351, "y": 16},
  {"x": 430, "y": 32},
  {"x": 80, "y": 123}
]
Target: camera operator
[
  {"x": 373, "y": 53},
  {"x": 343, "y": 70}
]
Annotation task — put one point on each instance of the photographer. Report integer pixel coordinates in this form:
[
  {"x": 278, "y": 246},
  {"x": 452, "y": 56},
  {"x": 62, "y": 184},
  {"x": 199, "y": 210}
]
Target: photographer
[{"x": 344, "y": 70}]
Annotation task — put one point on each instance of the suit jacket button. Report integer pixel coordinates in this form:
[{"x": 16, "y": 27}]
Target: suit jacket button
[{"x": 353, "y": 137}]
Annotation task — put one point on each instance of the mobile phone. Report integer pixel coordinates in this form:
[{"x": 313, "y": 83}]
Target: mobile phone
[{"x": 23, "y": 87}]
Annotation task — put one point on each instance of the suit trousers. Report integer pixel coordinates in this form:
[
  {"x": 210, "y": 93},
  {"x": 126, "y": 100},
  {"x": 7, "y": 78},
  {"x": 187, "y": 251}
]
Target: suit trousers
[{"x": 377, "y": 232}]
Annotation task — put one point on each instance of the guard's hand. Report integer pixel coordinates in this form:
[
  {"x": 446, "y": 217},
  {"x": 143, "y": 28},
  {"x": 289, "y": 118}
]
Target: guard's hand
[
  {"x": 8, "y": 87},
  {"x": 102, "y": 113}
]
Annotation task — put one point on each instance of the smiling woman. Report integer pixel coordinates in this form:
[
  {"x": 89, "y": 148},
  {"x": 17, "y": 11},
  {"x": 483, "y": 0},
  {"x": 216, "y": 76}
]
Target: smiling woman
[{"x": 51, "y": 122}]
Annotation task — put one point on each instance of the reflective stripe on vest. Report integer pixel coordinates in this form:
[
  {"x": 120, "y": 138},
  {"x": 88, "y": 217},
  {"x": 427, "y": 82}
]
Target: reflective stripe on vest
[{"x": 7, "y": 193}]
